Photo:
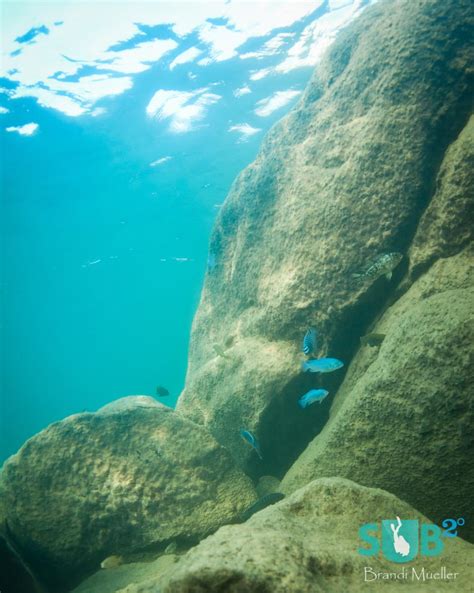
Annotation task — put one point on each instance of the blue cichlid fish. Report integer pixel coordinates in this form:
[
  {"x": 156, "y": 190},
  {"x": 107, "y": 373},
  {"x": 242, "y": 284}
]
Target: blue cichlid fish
[
  {"x": 314, "y": 395},
  {"x": 211, "y": 263},
  {"x": 310, "y": 341},
  {"x": 252, "y": 441},
  {"x": 383, "y": 265},
  {"x": 322, "y": 365}
]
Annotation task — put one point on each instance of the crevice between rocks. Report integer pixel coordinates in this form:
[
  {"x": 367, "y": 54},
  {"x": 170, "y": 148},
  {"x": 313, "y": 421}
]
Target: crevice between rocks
[{"x": 285, "y": 429}]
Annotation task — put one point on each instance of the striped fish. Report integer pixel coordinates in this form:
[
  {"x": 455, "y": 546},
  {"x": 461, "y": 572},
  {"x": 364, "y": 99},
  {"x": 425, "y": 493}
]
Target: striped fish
[
  {"x": 383, "y": 265},
  {"x": 309, "y": 341}
]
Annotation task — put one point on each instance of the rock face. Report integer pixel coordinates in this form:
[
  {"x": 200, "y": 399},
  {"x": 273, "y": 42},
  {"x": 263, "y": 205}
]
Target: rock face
[
  {"x": 355, "y": 170},
  {"x": 446, "y": 226},
  {"x": 309, "y": 543},
  {"x": 125, "y": 578},
  {"x": 133, "y": 474},
  {"x": 15, "y": 576},
  {"x": 403, "y": 419}
]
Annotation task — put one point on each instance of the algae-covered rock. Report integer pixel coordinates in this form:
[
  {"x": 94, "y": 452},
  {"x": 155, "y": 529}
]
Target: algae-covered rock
[
  {"x": 346, "y": 176},
  {"x": 262, "y": 503},
  {"x": 103, "y": 484},
  {"x": 125, "y": 578},
  {"x": 446, "y": 226},
  {"x": 309, "y": 543},
  {"x": 403, "y": 419}
]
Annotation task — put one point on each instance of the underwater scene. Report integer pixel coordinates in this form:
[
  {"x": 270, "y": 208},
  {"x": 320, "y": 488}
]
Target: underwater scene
[{"x": 237, "y": 291}]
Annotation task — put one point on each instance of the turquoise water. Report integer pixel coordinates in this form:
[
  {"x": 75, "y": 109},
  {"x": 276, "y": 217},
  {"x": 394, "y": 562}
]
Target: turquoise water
[{"x": 94, "y": 304}]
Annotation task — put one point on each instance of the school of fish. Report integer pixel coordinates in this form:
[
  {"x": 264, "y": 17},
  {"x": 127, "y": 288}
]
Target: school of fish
[{"x": 382, "y": 265}]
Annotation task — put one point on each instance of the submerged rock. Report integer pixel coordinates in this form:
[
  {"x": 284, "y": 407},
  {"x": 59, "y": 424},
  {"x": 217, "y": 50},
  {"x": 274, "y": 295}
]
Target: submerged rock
[
  {"x": 15, "y": 575},
  {"x": 446, "y": 225},
  {"x": 372, "y": 339},
  {"x": 403, "y": 420},
  {"x": 105, "y": 484},
  {"x": 348, "y": 175},
  {"x": 308, "y": 543},
  {"x": 262, "y": 503},
  {"x": 128, "y": 577}
]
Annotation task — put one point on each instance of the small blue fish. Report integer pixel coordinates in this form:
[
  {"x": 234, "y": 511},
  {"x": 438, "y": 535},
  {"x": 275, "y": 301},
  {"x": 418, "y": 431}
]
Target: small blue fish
[
  {"x": 314, "y": 395},
  {"x": 211, "y": 263},
  {"x": 251, "y": 440},
  {"x": 309, "y": 341},
  {"x": 322, "y": 365}
]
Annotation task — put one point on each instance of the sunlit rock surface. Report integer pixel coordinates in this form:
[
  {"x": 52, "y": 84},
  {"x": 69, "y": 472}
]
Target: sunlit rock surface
[
  {"x": 134, "y": 474},
  {"x": 360, "y": 167},
  {"x": 308, "y": 543},
  {"x": 403, "y": 418}
]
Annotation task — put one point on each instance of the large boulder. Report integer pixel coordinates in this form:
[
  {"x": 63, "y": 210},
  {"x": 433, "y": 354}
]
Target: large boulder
[
  {"x": 403, "y": 418},
  {"x": 133, "y": 474},
  {"x": 346, "y": 176},
  {"x": 309, "y": 543},
  {"x": 125, "y": 577},
  {"x": 446, "y": 225}
]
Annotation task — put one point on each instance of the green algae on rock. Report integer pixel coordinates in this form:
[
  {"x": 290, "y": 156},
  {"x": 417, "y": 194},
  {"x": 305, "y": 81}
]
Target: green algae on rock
[
  {"x": 133, "y": 474},
  {"x": 446, "y": 225},
  {"x": 128, "y": 577},
  {"x": 308, "y": 543},
  {"x": 262, "y": 503},
  {"x": 403, "y": 420},
  {"x": 347, "y": 175}
]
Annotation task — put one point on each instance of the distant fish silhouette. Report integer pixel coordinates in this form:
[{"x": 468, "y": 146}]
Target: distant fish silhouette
[
  {"x": 261, "y": 504},
  {"x": 322, "y": 365},
  {"x": 252, "y": 441},
  {"x": 309, "y": 341},
  {"x": 162, "y": 391},
  {"x": 220, "y": 351},
  {"x": 211, "y": 263},
  {"x": 372, "y": 339}
]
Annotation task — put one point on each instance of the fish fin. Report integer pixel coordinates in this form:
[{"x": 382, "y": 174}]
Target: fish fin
[{"x": 388, "y": 275}]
